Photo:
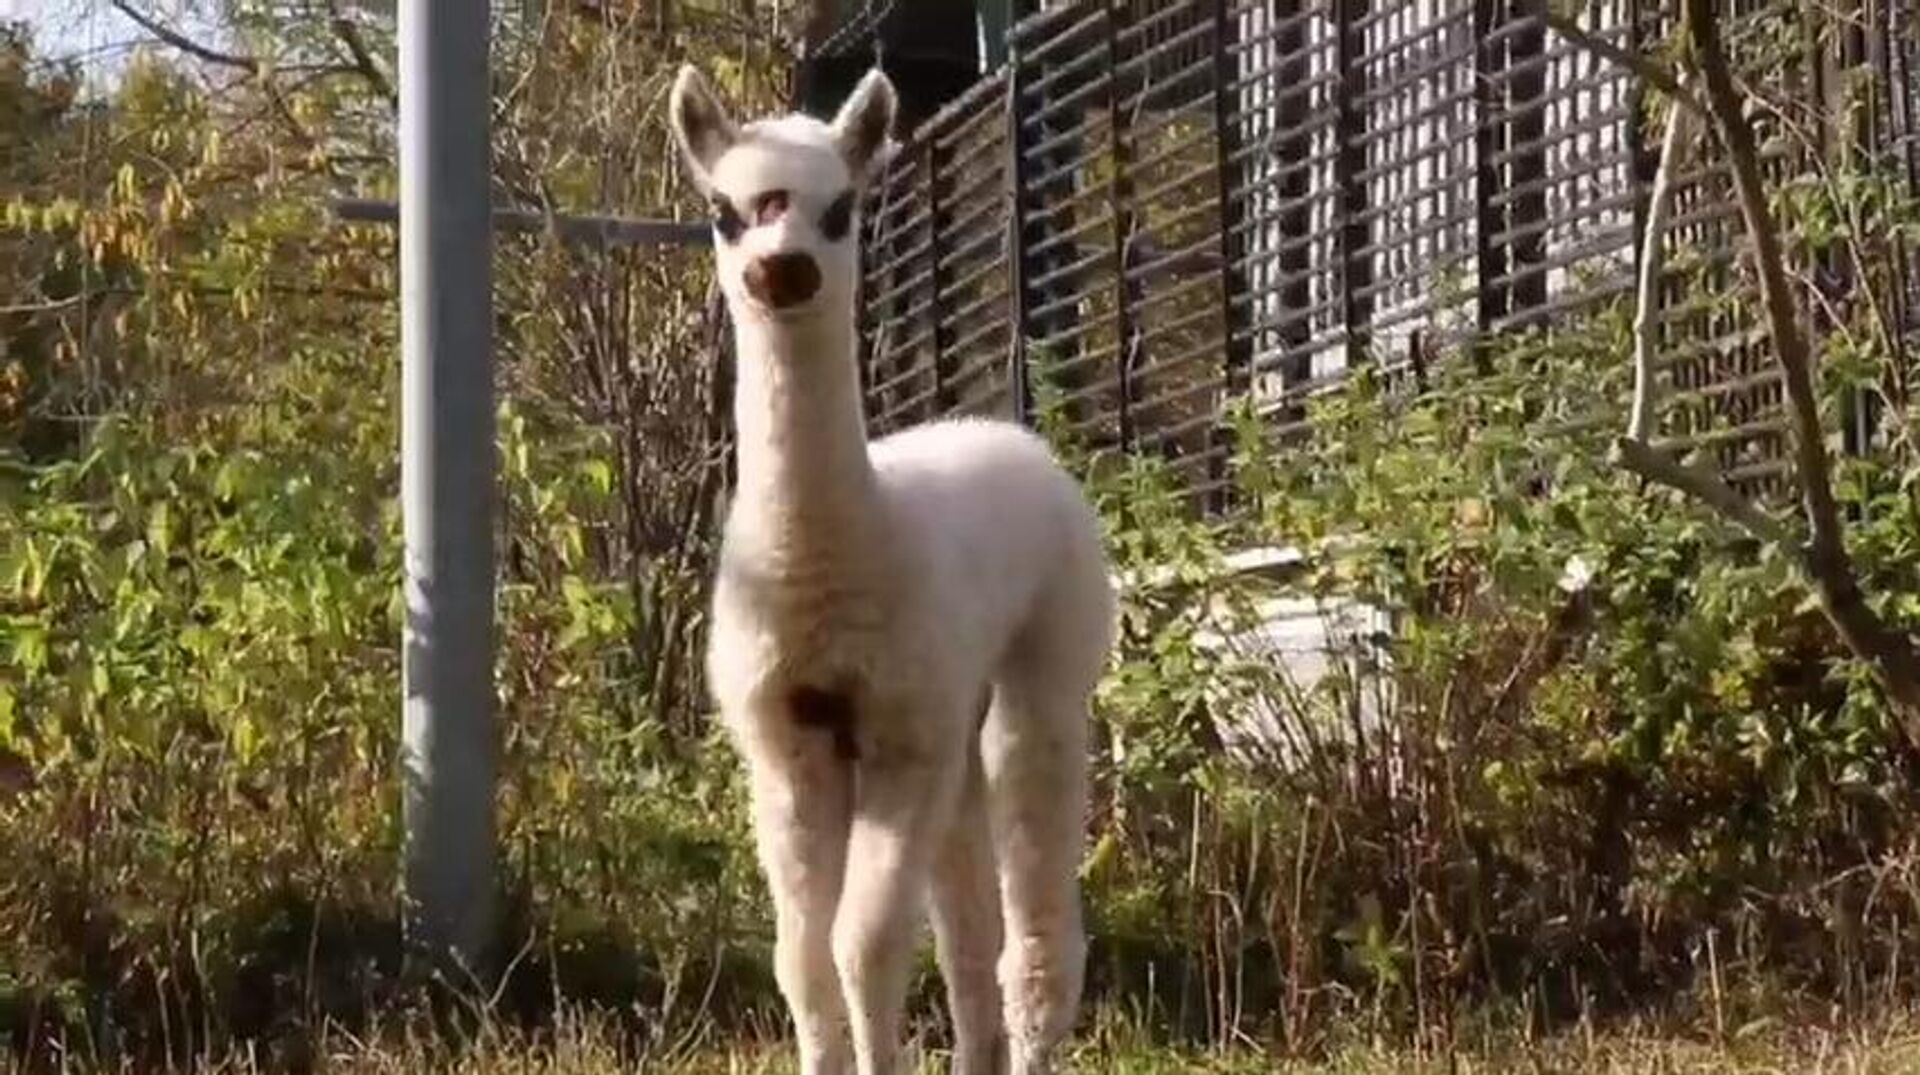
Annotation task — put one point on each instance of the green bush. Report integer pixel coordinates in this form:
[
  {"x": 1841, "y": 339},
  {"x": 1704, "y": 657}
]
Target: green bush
[{"x": 1610, "y": 728}]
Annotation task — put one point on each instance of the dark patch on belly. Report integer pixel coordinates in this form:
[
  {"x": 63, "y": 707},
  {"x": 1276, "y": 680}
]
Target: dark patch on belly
[{"x": 831, "y": 711}]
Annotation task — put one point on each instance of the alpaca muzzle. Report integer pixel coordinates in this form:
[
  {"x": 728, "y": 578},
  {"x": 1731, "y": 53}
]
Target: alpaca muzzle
[{"x": 779, "y": 281}]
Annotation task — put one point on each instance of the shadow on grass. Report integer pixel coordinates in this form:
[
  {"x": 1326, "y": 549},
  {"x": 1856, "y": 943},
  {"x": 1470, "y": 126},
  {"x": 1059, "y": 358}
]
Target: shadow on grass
[{"x": 274, "y": 975}]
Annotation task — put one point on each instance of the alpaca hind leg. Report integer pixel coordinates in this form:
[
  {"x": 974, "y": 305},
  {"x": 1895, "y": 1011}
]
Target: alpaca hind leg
[
  {"x": 967, "y": 931},
  {"x": 902, "y": 806},
  {"x": 1035, "y": 748},
  {"x": 802, "y": 809}
]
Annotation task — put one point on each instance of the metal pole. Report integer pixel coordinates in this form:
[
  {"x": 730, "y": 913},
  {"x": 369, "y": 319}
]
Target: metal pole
[{"x": 447, "y": 484}]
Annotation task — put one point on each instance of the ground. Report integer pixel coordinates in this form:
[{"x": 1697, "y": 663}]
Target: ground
[{"x": 1863, "y": 1047}]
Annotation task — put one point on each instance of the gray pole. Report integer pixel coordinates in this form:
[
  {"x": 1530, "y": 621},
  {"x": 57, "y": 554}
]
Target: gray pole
[{"x": 446, "y": 483}]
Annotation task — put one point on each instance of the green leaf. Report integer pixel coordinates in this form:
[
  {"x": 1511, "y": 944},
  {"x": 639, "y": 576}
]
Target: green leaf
[
  {"x": 575, "y": 592},
  {"x": 160, "y": 527},
  {"x": 195, "y": 639},
  {"x": 30, "y": 648},
  {"x": 598, "y": 474}
]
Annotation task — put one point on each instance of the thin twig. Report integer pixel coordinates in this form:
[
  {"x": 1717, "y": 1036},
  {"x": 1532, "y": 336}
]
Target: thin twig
[
  {"x": 46, "y": 306},
  {"x": 1646, "y": 317},
  {"x": 1652, "y": 73},
  {"x": 1816, "y": 290},
  {"x": 183, "y": 42}
]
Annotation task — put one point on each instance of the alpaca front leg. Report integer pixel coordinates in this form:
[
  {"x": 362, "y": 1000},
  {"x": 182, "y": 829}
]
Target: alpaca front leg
[
  {"x": 802, "y": 808},
  {"x": 901, "y": 810}
]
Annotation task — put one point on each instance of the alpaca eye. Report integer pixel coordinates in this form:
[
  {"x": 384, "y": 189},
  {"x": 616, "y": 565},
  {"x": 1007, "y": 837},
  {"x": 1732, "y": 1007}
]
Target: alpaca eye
[
  {"x": 838, "y": 218},
  {"x": 770, "y": 207},
  {"x": 727, "y": 220}
]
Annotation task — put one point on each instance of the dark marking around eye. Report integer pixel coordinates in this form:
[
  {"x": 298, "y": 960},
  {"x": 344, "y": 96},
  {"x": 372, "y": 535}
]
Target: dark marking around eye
[
  {"x": 835, "y": 222},
  {"x": 727, "y": 221}
]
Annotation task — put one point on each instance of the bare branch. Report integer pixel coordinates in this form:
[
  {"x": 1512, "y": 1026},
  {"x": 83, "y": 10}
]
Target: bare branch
[
  {"x": 48, "y": 306},
  {"x": 1887, "y": 650},
  {"x": 1790, "y": 343},
  {"x": 348, "y": 32},
  {"x": 1823, "y": 561},
  {"x": 1650, "y": 72},
  {"x": 184, "y": 43},
  {"x": 1706, "y": 486},
  {"x": 1646, "y": 317}
]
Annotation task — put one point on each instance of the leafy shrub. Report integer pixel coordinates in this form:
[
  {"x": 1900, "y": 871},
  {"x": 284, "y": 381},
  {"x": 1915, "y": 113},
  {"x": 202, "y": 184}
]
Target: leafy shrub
[{"x": 1608, "y": 730}]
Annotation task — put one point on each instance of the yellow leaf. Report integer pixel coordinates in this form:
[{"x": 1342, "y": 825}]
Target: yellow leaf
[
  {"x": 246, "y": 738},
  {"x": 160, "y": 527},
  {"x": 1103, "y": 853}
]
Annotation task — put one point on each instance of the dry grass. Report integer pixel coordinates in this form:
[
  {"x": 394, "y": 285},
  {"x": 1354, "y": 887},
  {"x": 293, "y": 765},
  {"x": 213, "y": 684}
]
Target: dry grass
[{"x": 1887, "y": 1045}]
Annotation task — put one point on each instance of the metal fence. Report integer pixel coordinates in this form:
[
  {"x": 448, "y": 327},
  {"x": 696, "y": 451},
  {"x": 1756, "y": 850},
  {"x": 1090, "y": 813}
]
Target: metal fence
[{"x": 1164, "y": 206}]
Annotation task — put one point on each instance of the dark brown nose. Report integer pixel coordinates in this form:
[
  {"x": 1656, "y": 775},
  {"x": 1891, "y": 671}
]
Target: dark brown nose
[{"x": 783, "y": 280}]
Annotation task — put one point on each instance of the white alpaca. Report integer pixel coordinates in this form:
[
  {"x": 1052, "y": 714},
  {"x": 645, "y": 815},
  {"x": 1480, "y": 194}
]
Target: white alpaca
[{"x": 905, "y": 636}]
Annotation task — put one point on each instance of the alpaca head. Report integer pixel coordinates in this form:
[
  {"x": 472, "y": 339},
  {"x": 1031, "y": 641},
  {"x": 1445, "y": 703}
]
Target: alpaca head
[{"x": 785, "y": 194}]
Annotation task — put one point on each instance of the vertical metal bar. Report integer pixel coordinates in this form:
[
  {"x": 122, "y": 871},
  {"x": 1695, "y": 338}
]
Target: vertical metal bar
[
  {"x": 1349, "y": 164},
  {"x": 1229, "y": 186},
  {"x": 1490, "y": 262},
  {"x": 1053, "y": 155},
  {"x": 995, "y": 19},
  {"x": 1292, "y": 79},
  {"x": 1018, "y": 373},
  {"x": 1855, "y": 148},
  {"x": 1893, "y": 34},
  {"x": 942, "y": 401},
  {"x": 1120, "y": 197},
  {"x": 1641, "y": 161},
  {"x": 447, "y": 482},
  {"x": 1527, "y": 289}
]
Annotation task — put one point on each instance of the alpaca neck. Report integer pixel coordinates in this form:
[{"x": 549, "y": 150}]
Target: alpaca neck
[{"x": 804, "y": 472}]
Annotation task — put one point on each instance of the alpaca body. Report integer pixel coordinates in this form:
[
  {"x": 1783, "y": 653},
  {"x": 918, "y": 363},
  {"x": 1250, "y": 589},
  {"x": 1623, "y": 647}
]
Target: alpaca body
[
  {"x": 904, "y": 640},
  {"x": 944, "y": 592},
  {"x": 978, "y": 555}
]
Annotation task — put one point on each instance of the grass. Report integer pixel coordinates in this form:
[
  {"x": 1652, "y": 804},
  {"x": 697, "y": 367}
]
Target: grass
[{"x": 583, "y": 1046}]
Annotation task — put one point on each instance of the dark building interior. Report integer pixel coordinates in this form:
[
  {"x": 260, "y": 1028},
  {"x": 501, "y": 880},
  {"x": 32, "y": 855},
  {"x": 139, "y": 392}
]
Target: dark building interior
[{"x": 931, "y": 49}]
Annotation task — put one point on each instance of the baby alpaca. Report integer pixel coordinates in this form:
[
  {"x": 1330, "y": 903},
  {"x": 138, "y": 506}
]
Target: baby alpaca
[{"x": 905, "y": 636}]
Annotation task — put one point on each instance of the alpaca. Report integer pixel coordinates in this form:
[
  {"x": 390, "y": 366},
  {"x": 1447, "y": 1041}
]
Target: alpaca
[{"x": 905, "y": 635}]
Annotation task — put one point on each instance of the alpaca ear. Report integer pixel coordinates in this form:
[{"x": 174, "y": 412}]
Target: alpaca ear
[
  {"x": 700, "y": 124},
  {"x": 862, "y": 128}
]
